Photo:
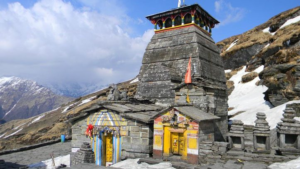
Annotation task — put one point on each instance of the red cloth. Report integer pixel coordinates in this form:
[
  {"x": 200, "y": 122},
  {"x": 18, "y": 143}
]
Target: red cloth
[
  {"x": 188, "y": 75},
  {"x": 89, "y": 130}
]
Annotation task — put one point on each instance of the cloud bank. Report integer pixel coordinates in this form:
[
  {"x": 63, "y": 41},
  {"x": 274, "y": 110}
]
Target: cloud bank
[
  {"x": 228, "y": 13},
  {"x": 54, "y": 42}
]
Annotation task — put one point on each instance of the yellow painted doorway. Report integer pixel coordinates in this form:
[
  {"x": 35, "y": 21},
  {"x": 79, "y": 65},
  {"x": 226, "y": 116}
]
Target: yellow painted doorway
[
  {"x": 107, "y": 150},
  {"x": 178, "y": 143}
]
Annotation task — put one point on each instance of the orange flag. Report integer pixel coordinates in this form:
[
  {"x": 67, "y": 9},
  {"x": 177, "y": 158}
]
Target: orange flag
[{"x": 188, "y": 75}]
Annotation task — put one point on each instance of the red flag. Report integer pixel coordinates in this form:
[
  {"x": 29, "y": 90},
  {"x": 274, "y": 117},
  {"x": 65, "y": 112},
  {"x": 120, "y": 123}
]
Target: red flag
[{"x": 188, "y": 75}]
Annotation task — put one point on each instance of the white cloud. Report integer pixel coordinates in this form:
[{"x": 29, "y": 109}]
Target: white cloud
[
  {"x": 228, "y": 13},
  {"x": 218, "y": 6},
  {"x": 54, "y": 42}
]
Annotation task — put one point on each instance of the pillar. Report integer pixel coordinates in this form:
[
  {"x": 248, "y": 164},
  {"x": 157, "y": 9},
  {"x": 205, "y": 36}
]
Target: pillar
[
  {"x": 182, "y": 21},
  {"x": 173, "y": 22},
  {"x": 201, "y": 23},
  {"x": 193, "y": 18},
  {"x": 155, "y": 26},
  {"x": 198, "y": 21},
  {"x": 164, "y": 24},
  {"x": 282, "y": 140}
]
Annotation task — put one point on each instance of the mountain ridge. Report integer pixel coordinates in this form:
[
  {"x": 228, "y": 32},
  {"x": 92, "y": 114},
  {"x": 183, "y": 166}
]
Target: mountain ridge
[{"x": 21, "y": 98}]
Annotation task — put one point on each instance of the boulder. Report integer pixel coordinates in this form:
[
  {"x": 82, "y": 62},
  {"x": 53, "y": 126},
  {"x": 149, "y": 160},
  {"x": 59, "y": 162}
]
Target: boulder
[{"x": 249, "y": 76}]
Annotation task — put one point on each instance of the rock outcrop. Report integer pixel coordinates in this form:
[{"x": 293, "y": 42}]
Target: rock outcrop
[{"x": 276, "y": 46}]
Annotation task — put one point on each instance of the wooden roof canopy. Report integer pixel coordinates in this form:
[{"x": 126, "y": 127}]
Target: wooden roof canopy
[{"x": 194, "y": 10}]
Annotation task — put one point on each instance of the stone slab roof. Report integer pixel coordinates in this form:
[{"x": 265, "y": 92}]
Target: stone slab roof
[
  {"x": 136, "y": 111},
  {"x": 196, "y": 113}
]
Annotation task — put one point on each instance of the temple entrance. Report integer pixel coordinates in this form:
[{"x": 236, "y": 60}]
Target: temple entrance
[
  {"x": 107, "y": 150},
  {"x": 178, "y": 143}
]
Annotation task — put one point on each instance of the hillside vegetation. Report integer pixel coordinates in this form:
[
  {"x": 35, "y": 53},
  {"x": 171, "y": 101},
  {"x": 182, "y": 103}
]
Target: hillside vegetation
[{"x": 275, "y": 45}]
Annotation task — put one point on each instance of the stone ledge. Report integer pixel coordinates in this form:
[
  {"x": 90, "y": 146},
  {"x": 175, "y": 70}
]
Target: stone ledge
[{"x": 33, "y": 146}]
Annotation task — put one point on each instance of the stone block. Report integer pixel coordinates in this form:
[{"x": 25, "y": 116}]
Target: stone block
[
  {"x": 146, "y": 135},
  {"x": 126, "y": 139},
  {"x": 135, "y": 134},
  {"x": 205, "y": 146},
  {"x": 236, "y": 153},
  {"x": 126, "y": 146},
  {"x": 222, "y": 150},
  {"x": 136, "y": 140},
  {"x": 205, "y": 152},
  {"x": 135, "y": 129},
  {"x": 145, "y": 130},
  {"x": 145, "y": 141},
  {"x": 214, "y": 148}
]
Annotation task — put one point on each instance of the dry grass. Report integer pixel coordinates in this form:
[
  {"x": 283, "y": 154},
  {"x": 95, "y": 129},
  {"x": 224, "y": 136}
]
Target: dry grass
[
  {"x": 249, "y": 77},
  {"x": 257, "y": 36}
]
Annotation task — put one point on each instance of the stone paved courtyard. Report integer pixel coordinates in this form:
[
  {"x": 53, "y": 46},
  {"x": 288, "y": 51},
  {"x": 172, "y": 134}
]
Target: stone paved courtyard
[{"x": 24, "y": 158}]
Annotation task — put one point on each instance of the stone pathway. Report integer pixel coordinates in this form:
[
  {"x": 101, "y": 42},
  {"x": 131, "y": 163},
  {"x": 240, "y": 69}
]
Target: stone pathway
[
  {"x": 24, "y": 158},
  {"x": 230, "y": 164}
]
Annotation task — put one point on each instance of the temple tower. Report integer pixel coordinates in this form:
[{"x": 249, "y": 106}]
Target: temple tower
[{"x": 182, "y": 33}]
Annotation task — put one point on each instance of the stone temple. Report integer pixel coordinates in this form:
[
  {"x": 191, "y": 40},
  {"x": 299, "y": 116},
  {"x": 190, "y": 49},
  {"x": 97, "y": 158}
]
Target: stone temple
[
  {"x": 180, "y": 34},
  {"x": 167, "y": 116}
]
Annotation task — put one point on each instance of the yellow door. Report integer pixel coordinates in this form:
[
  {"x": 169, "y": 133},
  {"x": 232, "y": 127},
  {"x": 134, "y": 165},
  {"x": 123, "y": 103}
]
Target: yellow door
[
  {"x": 175, "y": 143},
  {"x": 109, "y": 148},
  {"x": 181, "y": 144}
]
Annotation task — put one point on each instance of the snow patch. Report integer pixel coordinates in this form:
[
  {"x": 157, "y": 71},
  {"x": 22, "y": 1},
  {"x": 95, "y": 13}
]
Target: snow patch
[
  {"x": 247, "y": 97},
  {"x": 48, "y": 163},
  {"x": 10, "y": 110},
  {"x": 293, "y": 164},
  {"x": 16, "y": 128},
  {"x": 86, "y": 100},
  {"x": 135, "y": 80},
  {"x": 38, "y": 118},
  {"x": 132, "y": 164},
  {"x": 290, "y": 21},
  {"x": 266, "y": 30},
  {"x": 4, "y": 80},
  {"x": 267, "y": 45},
  {"x": 14, "y": 133},
  {"x": 2, "y": 135},
  {"x": 65, "y": 110},
  {"x": 227, "y": 71},
  {"x": 232, "y": 44}
]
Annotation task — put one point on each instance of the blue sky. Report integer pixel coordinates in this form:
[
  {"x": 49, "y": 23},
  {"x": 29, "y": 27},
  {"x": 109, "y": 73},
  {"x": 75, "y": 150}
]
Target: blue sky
[{"x": 102, "y": 41}]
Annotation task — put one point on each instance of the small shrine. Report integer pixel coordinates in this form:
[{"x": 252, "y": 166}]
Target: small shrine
[
  {"x": 115, "y": 130},
  {"x": 261, "y": 134},
  {"x": 179, "y": 130},
  {"x": 288, "y": 133},
  {"x": 236, "y": 135}
]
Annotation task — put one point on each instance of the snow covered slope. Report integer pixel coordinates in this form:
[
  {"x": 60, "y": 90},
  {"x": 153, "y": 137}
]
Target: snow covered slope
[{"x": 247, "y": 99}]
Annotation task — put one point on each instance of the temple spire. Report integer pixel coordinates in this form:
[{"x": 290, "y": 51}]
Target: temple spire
[{"x": 179, "y": 3}]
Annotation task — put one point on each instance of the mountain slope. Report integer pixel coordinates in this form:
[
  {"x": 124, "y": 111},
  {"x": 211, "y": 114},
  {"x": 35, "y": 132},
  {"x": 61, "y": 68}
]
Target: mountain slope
[
  {"x": 21, "y": 99},
  {"x": 275, "y": 45},
  {"x": 50, "y": 125}
]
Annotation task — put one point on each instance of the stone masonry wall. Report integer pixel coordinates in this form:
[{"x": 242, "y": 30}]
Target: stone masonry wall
[
  {"x": 172, "y": 49},
  {"x": 137, "y": 143},
  {"x": 78, "y": 133}
]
